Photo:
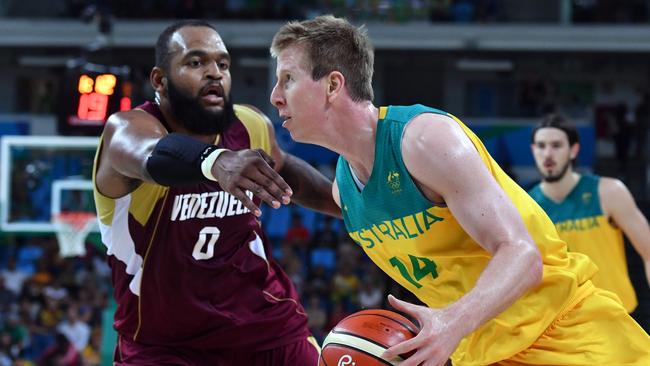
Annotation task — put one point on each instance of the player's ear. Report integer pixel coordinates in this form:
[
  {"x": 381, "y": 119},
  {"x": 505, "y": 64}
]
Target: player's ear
[
  {"x": 335, "y": 83},
  {"x": 575, "y": 149},
  {"x": 158, "y": 80}
]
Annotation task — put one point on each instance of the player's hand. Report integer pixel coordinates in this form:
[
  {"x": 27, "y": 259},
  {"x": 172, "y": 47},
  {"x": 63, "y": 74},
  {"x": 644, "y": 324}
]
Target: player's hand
[
  {"x": 249, "y": 170},
  {"x": 434, "y": 344},
  {"x": 269, "y": 160}
]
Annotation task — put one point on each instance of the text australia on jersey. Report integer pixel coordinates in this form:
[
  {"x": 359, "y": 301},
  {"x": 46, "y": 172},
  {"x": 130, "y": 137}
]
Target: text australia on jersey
[{"x": 407, "y": 227}]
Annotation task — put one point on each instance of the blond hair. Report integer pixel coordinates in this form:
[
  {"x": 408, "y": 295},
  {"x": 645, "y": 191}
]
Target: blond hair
[{"x": 332, "y": 44}]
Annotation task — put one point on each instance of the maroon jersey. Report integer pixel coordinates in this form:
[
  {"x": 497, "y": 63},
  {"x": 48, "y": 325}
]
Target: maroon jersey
[{"x": 191, "y": 266}]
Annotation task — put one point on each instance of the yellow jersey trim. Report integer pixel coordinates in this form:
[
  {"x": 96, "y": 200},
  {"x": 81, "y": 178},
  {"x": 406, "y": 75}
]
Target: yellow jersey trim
[
  {"x": 382, "y": 112},
  {"x": 256, "y": 125}
]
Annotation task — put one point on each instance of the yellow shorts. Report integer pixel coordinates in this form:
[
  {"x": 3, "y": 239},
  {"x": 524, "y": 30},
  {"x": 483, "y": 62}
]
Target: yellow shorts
[{"x": 596, "y": 331}]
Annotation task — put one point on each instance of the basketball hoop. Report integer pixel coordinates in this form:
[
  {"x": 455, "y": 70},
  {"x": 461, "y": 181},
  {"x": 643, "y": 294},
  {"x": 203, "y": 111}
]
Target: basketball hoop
[{"x": 71, "y": 231}]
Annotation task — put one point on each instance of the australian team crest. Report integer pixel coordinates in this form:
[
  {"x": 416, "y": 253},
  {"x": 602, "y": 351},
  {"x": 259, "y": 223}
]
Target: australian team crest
[
  {"x": 586, "y": 198},
  {"x": 393, "y": 182}
]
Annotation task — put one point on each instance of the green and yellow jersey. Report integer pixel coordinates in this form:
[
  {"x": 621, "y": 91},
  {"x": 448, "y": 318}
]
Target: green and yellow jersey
[
  {"x": 580, "y": 221},
  {"x": 423, "y": 247}
]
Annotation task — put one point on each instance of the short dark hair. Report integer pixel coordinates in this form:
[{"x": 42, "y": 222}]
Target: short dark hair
[
  {"x": 162, "y": 44},
  {"x": 561, "y": 123}
]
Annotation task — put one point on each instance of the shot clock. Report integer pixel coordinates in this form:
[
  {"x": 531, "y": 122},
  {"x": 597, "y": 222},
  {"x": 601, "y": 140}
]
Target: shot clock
[{"x": 91, "y": 93}]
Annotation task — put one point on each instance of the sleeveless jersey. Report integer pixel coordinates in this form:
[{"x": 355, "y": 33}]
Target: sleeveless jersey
[
  {"x": 580, "y": 221},
  {"x": 191, "y": 266},
  {"x": 424, "y": 248}
]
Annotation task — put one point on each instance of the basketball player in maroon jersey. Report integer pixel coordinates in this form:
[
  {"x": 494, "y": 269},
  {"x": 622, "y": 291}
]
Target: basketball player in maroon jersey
[{"x": 178, "y": 183}]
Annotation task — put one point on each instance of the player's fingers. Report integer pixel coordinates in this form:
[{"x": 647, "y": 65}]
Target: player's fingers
[
  {"x": 263, "y": 183},
  {"x": 401, "y": 348},
  {"x": 246, "y": 201},
  {"x": 417, "y": 359},
  {"x": 422, "y": 358},
  {"x": 269, "y": 160},
  {"x": 272, "y": 182},
  {"x": 404, "y": 306},
  {"x": 266, "y": 194},
  {"x": 266, "y": 169}
]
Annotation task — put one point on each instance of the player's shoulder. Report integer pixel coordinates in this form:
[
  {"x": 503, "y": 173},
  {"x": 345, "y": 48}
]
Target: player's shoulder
[
  {"x": 436, "y": 117},
  {"x": 610, "y": 188},
  {"x": 435, "y": 132},
  {"x": 611, "y": 183},
  {"x": 134, "y": 117}
]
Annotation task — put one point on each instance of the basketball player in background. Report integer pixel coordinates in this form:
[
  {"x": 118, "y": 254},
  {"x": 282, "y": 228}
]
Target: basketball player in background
[
  {"x": 178, "y": 182},
  {"x": 591, "y": 213},
  {"x": 426, "y": 202}
]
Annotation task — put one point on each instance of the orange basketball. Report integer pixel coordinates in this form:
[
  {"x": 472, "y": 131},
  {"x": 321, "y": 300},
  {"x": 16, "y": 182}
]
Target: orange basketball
[{"x": 361, "y": 339}]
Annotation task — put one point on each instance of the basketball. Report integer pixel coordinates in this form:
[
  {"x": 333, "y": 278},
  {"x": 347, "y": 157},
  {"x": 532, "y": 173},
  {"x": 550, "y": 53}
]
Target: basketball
[{"x": 361, "y": 339}]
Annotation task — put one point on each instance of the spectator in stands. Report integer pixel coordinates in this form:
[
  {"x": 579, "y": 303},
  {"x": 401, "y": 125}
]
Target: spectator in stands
[
  {"x": 61, "y": 353},
  {"x": 7, "y": 297},
  {"x": 326, "y": 236},
  {"x": 317, "y": 317},
  {"x": 91, "y": 354},
  {"x": 298, "y": 235},
  {"x": 339, "y": 312},
  {"x": 295, "y": 270},
  {"x": 5, "y": 353},
  {"x": 14, "y": 277},
  {"x": 371, "y": 291},
  {"x": 43, "y": 275},
  {"x": 345, "y": 283},
  {"x": 76, "y": 330},
  {"x": 56, "y": 290},
  {"x": 317, "y": 281},
  {"x": 47, "y": 318},
  {"x": 15, "y": 336}
]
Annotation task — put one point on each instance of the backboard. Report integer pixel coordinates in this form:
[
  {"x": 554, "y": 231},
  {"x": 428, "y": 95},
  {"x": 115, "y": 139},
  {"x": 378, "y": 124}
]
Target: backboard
[{"x": 41, "y": 176}]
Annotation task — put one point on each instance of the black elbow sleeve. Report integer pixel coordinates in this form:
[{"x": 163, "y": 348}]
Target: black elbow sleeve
[{"x": 176, "y": 160}]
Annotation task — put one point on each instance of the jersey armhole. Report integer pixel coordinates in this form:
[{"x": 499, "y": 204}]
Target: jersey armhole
[{"x": 256, "y": 126}]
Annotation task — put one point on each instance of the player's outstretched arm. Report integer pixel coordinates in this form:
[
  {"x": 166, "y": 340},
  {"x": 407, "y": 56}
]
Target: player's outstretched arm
[
  {"x": 310, "y": 187},
  {"x": 618, "y": 203},
  {"x": 127, "y": 141},
  {"x": 447, "y": 167},
  {"x": 137, "y": 148}
]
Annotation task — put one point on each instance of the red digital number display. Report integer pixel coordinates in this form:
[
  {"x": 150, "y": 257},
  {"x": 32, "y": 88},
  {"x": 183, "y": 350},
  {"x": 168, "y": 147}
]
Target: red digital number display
[{"x": 95, "y": 94}]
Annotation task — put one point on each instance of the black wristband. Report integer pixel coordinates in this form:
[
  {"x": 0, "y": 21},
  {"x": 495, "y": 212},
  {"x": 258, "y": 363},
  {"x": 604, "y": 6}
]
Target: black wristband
[{"x": 176, "y": 160}]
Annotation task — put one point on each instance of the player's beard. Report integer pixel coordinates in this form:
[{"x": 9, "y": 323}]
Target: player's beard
[
  {"x": 550, "y": 178},
  {"x": 189, "y": 111}
]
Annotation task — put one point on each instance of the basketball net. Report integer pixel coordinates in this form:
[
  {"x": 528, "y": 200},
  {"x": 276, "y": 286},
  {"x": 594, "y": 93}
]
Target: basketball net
[{"x": 71, "y": 231}]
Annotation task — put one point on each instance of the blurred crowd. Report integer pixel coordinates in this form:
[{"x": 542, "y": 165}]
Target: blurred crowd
[
  {"x": 50, "y": 307},
  {"x": 386, "y": 10},
  {"x": 460, "y": 11}
]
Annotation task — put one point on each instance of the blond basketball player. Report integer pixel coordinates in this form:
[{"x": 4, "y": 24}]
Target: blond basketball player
[{"x": 426, "y": 202}]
